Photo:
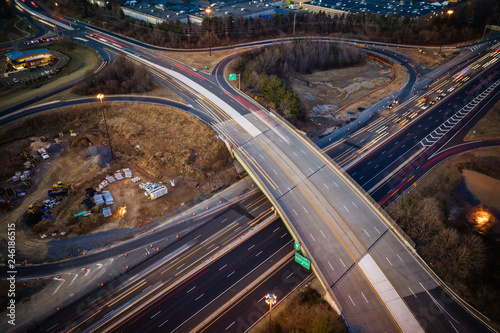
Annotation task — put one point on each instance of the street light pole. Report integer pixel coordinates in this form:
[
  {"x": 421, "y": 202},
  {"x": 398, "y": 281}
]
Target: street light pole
[
  {"x": 100, "y": 97},
  {"x": 208, "y": 10},
  {"x": 271, "y": 300}
]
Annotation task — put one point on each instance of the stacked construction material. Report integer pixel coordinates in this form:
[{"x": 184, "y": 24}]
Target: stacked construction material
[
  {"x": 107, "y": 197},
  {"x": 136, "y": 179},
  {"x": 106, "y": 212},
  {"x": 152, "y": 190},
  {"x": 98, "y": 199},
  {"x": 110, "y": 179},
  {"x": 128, "y": 173},
  {"x": 118, "y": 175}
]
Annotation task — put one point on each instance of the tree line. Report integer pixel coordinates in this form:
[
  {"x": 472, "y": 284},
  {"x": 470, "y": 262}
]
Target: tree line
[
  {"x": 467, "y": 22},
  {"x": 121, "y": 77},
  {"x": 267, "y": 72}
]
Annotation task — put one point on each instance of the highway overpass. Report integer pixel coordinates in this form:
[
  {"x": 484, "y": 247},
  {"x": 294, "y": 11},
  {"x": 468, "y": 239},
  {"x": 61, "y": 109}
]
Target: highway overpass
[{"x": 368, "y": 266}]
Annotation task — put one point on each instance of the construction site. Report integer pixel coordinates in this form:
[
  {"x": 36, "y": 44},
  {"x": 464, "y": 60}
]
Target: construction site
[{"x": 62, "y": 176}]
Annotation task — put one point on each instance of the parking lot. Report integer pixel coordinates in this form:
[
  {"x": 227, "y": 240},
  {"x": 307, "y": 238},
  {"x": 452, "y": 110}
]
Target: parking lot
[
  {"x": 34, "y": 76},
  {"x": 384, "y": 7}
]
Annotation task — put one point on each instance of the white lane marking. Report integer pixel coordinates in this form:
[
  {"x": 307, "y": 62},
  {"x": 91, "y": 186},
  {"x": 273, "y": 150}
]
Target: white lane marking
[
  {"x": 412, "y": 292},
  {"x": 281, "y": 193},
  {"x": 163, "y": 323},
  {"x": 59, "y": 286},
  {"x": 197, "y": 237},
  {"x": 211, "y": 246},
  {"x": 376, "y": 166},
  {"x": 312, "y": 237},
  {"x": 295, "y": 154},
  {"x": 376, "y": 229},
  {"x": 331, "y": 266},
  {"x": 278, "y": 228},
  {"x": 230, "y": 274},
  {"x": 311, "y": 170},
  {"x": 261, "y": 156},
  {"x": 190, "y": 290},
  {"x": 342, "y": 262},
  {"x": 366, "y": 232},
  {"x": 88, "y": 271},
  {"x": 155, "y": 314},
  {"x": 443, "y": 310},
  {"x": 95, "y": 300},
  {"x": 109, "y": 313},
  {"x": 364, "y": 297},
  {"x": 346, "y": 208},
  {"x": 52, "y": 327},
  {"x": 283, "y": 235},
  {"x": 303, "y": 152},
  {"x": 237, "y": 229},
  {"x": 222, "y": 267},
  {"x": 295, "y": 212},
  {"x": 258, "y": 254},
  {"x": 351, "y": 300},
  {"x": 305, "y": 209},
  {"x": 197, "y": 298},
  {"x": 400, "y": 258},
  {"x": 289, "y": 275},
  {"x": 251, "y": 247},
  {"x": 335, "y": 183},
  {"x": 224, "y": 220},
  {"x": 146, "y": 289},
  {"x": 99, "y": 266},
  {"x": 289, "y": 190},
  {"x": 354, "y": 204},
  {"x": 322, "y": 233},
  {"x": 76, "y": 275},
  {"x": 326, "y": 187},
  {"x": 388, "y": 261},
  {"x": 275, "y": 171},
  {"x": 180, "y": 266},
  {"x": 230, "y": 325}
]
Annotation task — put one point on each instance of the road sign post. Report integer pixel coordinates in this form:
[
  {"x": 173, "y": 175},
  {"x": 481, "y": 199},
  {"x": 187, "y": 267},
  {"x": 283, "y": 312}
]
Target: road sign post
[
  {"x": 232, "y": 77},
  {"x": 302, "y": 261}
]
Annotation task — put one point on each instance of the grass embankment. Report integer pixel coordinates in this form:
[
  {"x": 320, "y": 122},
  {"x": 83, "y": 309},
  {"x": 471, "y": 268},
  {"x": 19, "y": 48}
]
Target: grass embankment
[
  {"x": 82, "y": 59},
  {"x": 15, "y": 28},
  {"x": 488, "y": 128}
]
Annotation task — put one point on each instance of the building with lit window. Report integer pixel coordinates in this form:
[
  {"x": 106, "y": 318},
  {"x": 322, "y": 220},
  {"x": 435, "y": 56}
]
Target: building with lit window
[{"x": 30, "y": 58}]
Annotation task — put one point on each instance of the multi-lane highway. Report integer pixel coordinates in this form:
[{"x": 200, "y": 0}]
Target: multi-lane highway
[{"x": 373, "y": 275}]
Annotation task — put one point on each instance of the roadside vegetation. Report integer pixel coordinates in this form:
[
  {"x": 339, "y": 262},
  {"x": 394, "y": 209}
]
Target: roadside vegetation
[
  {"x": 268, "y": 72},
  {"x": 121, "y": 77},
  {"x": 466, "y": 23},
  {"x": 449, "y": 233},
  {"x": 305, "y": 312}
]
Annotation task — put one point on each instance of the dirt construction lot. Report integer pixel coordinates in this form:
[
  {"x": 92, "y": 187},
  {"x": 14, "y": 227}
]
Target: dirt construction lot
[{"x": 158, "y": 144}]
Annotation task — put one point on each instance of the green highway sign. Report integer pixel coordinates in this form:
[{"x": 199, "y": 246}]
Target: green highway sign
[
  {"x": 232, "y": 77},
  {"x": 303, "y": 261},
  {"x": 297, "y": 246}
]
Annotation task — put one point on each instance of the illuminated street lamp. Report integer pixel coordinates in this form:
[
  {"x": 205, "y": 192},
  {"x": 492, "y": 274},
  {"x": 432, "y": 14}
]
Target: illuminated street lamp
[
  {"x": 208, "y": 11},
  {"x": 271, "y": 300},
  {"x": 100, "y": 97},
  {"x": 449, "y": 12}
]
